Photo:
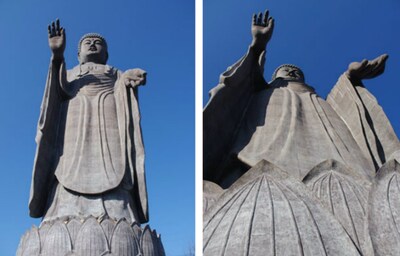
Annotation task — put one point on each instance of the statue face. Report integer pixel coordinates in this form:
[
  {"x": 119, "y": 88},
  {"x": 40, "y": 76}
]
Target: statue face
[
  {"x": 290, "y": 73},
  {"x": 93, "y": 50}
]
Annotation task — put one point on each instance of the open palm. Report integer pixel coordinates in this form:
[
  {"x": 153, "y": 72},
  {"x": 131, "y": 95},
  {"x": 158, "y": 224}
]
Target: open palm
[
  {"x": 261, "y": 29},
  {"x": 56, "y": 38}
]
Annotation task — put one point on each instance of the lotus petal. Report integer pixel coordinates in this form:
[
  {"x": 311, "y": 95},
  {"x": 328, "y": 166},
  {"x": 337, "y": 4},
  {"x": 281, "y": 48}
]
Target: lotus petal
[
  {"x": 268, "y": 212},
  {"x": 43, "y": 229},
  {"x": 22, "y": 244},
  {"x": 73, "y": 227},
  {"x": 344, "y": 194},
  {"x": 31, "y": 246},
  {"x": 158, "y": 244},
  {"x": 384, "y": 210},
  {"x": 91, "y": 240},
  {"x": 137, "y": 230},
  {"x": 123, "y": 242},
  {"x": 211, "y": 192},
  {"x": 108, "y": 227},
  {"x": 146, "y": 243},
  {"x": 58, "y": 241}
]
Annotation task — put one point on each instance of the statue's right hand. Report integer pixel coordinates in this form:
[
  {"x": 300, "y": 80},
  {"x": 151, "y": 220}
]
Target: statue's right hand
[
  {"x": 261, "y": 30},
  {"x": 57, "y": 39}
]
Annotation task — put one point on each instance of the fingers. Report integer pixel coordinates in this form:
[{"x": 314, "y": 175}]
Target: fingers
[
  {"x": 270, "y": 24},
  {"x": 54, "y": 29},
  {"x": 364, "y": 63},
  {"x": 265, "y": 20},
  {"x": 259, "y": 19},
  {"x": 254, "y": 19},
  {"x": 58, "y": 30},
  {"x": 262, "y": 20},
  {"x": 368, "y": 69},
  {"x": 381, "y": 58},
  {"x": 377, "y": 66}
]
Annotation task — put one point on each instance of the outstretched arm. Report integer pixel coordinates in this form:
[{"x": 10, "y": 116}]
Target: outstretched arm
[
  {"x": 229, "y": 99},
  {"x": 57, "y": 42},
  {"x": 48, "y": 126},
  {"x": 361, "y": 112}
]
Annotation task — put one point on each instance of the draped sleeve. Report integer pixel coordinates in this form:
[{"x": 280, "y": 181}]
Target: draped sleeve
[
  {"x": 46, "y": 139},
  {"x": 365, "y": 119},
  {"x": 131, "y": 135},
  {"x": 225, "y": 109}
]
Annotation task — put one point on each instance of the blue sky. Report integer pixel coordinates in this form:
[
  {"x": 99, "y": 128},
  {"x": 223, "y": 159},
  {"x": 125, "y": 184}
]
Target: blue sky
[
  {"x": 321, "y": 37},
  {"x": 155, "y": 35}
]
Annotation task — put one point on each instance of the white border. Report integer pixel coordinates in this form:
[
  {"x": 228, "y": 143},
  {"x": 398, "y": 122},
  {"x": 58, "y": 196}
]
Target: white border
[{"x": 199, "y": 127}]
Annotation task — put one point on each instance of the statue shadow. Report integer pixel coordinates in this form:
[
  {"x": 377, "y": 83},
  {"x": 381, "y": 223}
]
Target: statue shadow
[{"x": 253, "y": 117}]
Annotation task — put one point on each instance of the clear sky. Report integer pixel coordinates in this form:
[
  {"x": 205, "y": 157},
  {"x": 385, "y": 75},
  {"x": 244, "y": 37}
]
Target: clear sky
[
  {"x": 321, "y": 37},
  {"x": 155, "y": 35}
]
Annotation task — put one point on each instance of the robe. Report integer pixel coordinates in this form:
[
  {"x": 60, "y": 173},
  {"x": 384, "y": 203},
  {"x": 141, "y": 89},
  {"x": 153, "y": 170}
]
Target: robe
[
  {"x": 89, "y": 143},
  {"x": 284, "y": 122}
]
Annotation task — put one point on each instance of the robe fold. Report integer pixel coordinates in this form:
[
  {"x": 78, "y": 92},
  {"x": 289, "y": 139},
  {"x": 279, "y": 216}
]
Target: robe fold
[
  {"x": 366, "y": 120},
  {"x": 89, "y": 138},
  {"x": 287, "y": 124}
]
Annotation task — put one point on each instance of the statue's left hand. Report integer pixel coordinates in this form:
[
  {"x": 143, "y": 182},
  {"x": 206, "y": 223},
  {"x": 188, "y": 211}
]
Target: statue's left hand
[
  {"x": 134, "y": 77},
  {"x": 367, "y": 69}
]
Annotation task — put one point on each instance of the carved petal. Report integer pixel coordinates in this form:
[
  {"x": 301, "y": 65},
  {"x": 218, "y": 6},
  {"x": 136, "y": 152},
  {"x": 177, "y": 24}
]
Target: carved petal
[
  {"x": 91, "y": 240},
  {"x": 108, "y": 226},
  {"x": 123, "y": 240},
  {"x": 211, "y": 192},
  {"x": 137, "y": 230},
  {"x": 157, "y": 243},
  {"x": 43, "y": 229},
  {"x": 57, "y": 242},
  {"x": 146, "y": 243},
  {"x": 21, "y": 244},
  {"x": 267, "y": 212},
  {"x": 344, "y": 194},
  {"x": 31, "y": 245},
  {"x": 384, "y": 210},
  {"x": 73, "y": 227}
]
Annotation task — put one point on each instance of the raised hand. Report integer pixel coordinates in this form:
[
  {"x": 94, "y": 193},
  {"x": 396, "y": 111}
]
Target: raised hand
[
  {"x": 57, "y": 39},
  {"x": 261, "y": 29},
  {"x": 365, "y": 69},
  {"x": 134, "y": 77}
]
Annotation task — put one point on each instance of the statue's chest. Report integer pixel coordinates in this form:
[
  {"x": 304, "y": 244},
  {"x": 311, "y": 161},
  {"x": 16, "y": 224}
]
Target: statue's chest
[{"x": 93, "y": 85}]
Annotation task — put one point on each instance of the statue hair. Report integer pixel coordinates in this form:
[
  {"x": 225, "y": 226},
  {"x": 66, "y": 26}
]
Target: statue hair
[{"x": 290, "y": 66}]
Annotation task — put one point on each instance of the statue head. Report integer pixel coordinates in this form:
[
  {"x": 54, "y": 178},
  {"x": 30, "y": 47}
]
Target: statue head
[
  {"x": 289, "y": 72},
  {"x": 92, "y": 48}
]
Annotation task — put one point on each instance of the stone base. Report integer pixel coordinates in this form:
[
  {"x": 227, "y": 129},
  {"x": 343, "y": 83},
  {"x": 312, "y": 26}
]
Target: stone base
[{"x": 90, "y": 237}]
